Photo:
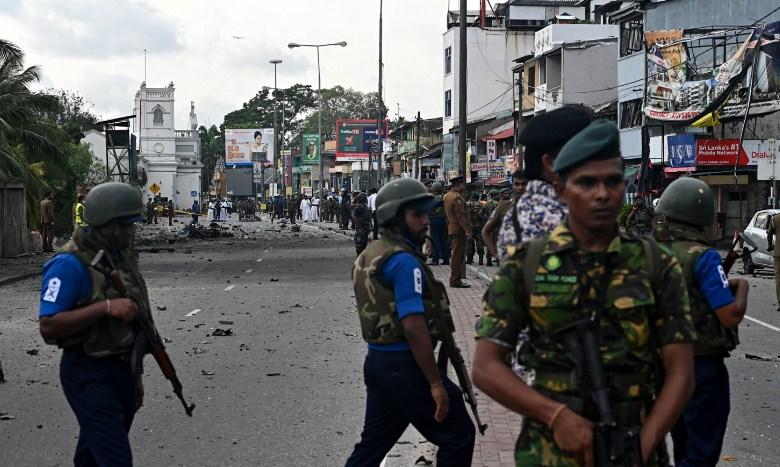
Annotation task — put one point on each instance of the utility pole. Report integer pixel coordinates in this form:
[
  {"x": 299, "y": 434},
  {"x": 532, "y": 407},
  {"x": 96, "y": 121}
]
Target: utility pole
[
  {"x": 417, "y": 168},
  {"x": 462, "y": 69},
  {"x": 371, "y": 181},
  {"x": 275, "y": 62},
  {"x": 398, "y": 127}
]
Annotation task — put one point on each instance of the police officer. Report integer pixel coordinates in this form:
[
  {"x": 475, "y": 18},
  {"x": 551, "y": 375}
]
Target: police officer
[
  {"x": 361, "y": 217},
  {"x": 344, "y": 209},
  {"x": 458, "y": 229},
  {"x": 441, "y": 250},
  {"x": 82, "y": 312},
  {"x": 78, "y": 212},
  {"x": 772, "y": 235},
  {"x": 398, "y": 301},
  {"x": 506, "y": 201},
  {"x": 631, "y": 290},
  {"x": 688, "y": 208}
]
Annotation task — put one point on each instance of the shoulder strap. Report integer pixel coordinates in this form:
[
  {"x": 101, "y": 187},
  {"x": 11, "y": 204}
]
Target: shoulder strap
[
  {"x": 653, "y": 259},
  {"x": 516, "y": 223},
  {"x": 531, "y": 262}
]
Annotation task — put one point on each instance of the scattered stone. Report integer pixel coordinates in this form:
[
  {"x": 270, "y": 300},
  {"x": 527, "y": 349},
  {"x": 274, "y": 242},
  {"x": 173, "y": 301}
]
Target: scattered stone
[
  {"x": 206, "y": 373},
  {"x": 225, "y": 322},
  {"x": 728, "y": 458},
  {"x": 273, "y": 374},
  {"x": 273, "y": 279},
  {"x": 161, "y": 307},
  {"x": 32, "y": 352},
  {"x": 283, "y": 312},
  {"x": 761, "y": 358},
  {"x": 5, "y": 416},
  {"x": 222, "y": 332},
  {"x": 423, "y": 461}
]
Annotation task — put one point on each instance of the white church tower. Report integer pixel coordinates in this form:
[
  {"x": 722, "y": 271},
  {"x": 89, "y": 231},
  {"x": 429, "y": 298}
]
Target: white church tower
[{"x": 170, "y": 157}]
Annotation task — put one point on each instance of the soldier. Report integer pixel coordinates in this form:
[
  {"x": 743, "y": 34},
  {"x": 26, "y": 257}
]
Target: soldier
[
  {"x": 441, "y": 250},
  {"x": 361, "y": 217},
  {"x": 490, "y": 230},
  {"x": 292, "y": 208},
  {"x": 539, "y": 210},
  {"x": 170, "y": 212},
  {"x": 400, "y": 303},
  {"x": 459, "y": 231},
  {"x": 604, "y": 310},
  {"x": 344, "y": 209},
  {"x": 688, "y": 208},
  {"x": 83, "y": 313},
  {"x": 640, "y": 218},
  {"x": 476, "y": 213}
]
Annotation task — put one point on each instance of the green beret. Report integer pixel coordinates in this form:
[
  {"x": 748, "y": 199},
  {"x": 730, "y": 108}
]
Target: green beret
[{"x": 598, "y": 141}]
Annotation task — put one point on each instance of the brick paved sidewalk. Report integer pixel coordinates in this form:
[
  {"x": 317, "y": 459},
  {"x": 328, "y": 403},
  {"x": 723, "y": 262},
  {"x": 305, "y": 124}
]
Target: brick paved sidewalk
[{"x": 496, "y": 448}]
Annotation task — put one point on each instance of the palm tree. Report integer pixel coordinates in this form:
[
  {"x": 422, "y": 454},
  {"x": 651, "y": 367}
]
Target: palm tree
[{"x": 22, "y": 133}]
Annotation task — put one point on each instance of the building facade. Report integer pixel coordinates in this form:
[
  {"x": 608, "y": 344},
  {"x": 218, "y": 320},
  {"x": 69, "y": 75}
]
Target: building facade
[{"x": 169, "y": 157}]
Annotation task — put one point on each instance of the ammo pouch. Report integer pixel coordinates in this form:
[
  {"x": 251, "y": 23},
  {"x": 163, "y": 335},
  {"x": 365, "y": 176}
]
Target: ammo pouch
[{"x": 103, "y": 338}]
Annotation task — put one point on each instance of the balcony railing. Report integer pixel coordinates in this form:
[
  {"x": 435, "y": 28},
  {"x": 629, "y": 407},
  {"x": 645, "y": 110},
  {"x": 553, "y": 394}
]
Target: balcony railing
[{"x": 186, "y": 134}]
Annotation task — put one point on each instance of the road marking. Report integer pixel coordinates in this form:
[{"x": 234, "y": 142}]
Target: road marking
[
  {"x": 193, "y": 312},
  {"x": 259, "y": 259},
  {"x": 229, "y": 288},
  {"x": 248, "y": 271},
  {"x": 766, "y": 325}
]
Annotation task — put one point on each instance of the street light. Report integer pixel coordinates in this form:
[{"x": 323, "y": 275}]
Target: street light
[
  {"x": 275, "y": 62},
  {"x": 293, "y": 45}
]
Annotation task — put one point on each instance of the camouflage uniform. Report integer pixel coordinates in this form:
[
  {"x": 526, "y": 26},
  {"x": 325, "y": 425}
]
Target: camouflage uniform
[
  {"x": 640, "y": 221},
  {"x": 640, "y": 317},
  {"x": 361, "y": 217},
  {"x": 476, "y": 213}
]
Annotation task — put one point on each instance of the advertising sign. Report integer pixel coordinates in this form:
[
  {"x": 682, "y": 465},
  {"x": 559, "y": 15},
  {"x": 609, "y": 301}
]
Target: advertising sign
[
  {"x": 682, "y": 150},
  {"x": 246, "y": 145},
  {"x": 310, "y": 150},
  {"x": 287, "y": 168},
  {"x": 491, "y": 149},
  {"x": 720, "y": 152},
  {"x": 681, "y": 92},
  {"x": 354, "y": 138}
]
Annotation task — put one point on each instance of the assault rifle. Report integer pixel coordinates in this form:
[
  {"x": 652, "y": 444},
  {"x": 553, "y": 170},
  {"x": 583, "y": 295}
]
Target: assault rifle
[
  {"x": 147, "y": 340},
  {"x": 613, "y": 445},
  {"x": 449, "y": 351}
]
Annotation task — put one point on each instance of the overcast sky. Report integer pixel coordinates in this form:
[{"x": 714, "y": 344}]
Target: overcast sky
[{"x": 96, "y": 48}]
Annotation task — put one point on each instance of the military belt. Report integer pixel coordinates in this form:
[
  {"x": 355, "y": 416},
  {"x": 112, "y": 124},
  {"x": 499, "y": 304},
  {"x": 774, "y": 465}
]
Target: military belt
[{"x": 627, "y": 413}]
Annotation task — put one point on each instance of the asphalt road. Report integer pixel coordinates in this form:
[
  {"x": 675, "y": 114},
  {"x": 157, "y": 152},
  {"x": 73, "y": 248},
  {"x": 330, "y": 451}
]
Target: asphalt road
[{"x": 286, "y": 389}]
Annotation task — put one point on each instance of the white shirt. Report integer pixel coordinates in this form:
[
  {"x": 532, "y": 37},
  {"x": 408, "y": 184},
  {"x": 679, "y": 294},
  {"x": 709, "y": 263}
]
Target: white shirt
[{"x": 372, "y": 202}]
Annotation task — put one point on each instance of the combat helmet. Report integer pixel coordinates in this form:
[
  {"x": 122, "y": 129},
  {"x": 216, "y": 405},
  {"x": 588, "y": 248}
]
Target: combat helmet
[
  {"x": 397, "y": 193},
  {"x": 113, "y": 201},
  {"x": 437, "y": 187},
  {"x": 688, "y": 200}
]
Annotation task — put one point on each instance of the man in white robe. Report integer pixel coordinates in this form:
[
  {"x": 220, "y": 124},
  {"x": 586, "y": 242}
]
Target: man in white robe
[
  {"x": 315, "y": 210},
  {"x": 305, "y": 208}
]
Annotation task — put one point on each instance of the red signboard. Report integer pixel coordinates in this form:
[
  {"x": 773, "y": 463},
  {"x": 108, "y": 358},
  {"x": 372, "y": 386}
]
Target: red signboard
[{"x": 720, "y": 152}]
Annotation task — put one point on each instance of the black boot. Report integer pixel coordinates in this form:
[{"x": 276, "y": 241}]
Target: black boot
[
  {"x": 489, "y": 260},
  {"x": 470, "y": 260},
  {"x": 481, "y": 260}
]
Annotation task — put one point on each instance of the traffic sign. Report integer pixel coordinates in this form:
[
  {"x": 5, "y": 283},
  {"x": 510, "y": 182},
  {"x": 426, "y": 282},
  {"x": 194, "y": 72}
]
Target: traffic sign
[{"x": 154, "y": 188}]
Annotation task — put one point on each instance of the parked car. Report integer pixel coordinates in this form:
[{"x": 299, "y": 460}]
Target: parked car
[{"x": 756, "y": 231}]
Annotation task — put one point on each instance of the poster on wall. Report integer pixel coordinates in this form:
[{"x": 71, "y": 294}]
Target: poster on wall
[
  {"x": 310, "y": 150},
  {"x": 491, "y": 149},
  {"x": 679, "y": 91},
  {"x": 246, "y": 145}
]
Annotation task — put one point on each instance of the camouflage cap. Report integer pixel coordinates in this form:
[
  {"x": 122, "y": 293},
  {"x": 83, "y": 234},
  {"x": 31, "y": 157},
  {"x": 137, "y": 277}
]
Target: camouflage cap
[{"x": 599, "y": 140}]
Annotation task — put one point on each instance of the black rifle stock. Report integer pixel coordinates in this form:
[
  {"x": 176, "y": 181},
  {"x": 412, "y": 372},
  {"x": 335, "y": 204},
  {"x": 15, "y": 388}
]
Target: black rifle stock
[
  {"x": 613, "y": 446},
  {"x": 147, "y": 340}
]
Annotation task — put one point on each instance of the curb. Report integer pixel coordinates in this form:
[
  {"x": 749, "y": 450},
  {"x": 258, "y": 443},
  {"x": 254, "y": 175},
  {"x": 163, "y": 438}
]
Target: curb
[{"x": 17, "y": 278}]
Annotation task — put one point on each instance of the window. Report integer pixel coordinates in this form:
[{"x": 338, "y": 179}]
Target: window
[
  {"x": 631, "y": 113},
  {"x": 631, "y": 36},
  {"x": 761, "y": 220},
  {"x": 448, "y": 103},
  {"x": 448, "y": 60},
  {"x": 158, "y": 116},
  {"x": 531, "y": 79}
]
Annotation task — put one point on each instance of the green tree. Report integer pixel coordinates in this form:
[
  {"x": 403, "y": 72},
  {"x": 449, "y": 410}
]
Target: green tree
[
  {"x": 212, "y": 149},
  {"x": 24, "y": 136},
  {"x": 339, "y": 103}
]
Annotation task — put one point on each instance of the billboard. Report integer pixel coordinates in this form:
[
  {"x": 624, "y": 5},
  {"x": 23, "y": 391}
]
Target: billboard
[
  {"x": 310, "y": 150},
  {"x": 682, "y": 150},
  {"x": 354, "y": 138},
  {"x": 246, "y": 145},
  {"x": 720, "y": 152},
  {"x": 239, "y": 181}
]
